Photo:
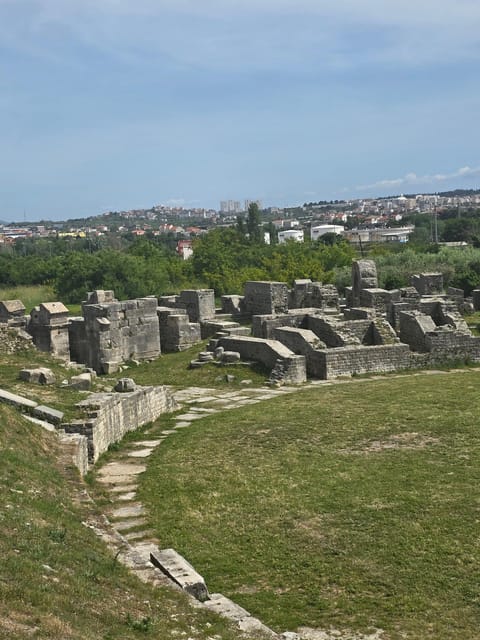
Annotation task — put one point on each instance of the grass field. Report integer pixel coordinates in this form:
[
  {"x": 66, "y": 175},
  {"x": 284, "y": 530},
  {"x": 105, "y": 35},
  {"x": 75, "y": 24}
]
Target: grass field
[
  {"x": 352, "y": 506},
  {"x": 173, "y": 369}
]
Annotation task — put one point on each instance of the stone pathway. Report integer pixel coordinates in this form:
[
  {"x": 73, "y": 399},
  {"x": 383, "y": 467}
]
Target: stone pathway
[{"x": 120, "y": 476}]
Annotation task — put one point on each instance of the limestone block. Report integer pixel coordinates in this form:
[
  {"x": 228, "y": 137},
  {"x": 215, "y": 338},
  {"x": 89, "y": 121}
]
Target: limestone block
[
  {"x": 226, "y": 607},
  {"x": 264, "y": 297},
  {"x": 40, "y": 375},
  {"x": 82, "y": 382},
  {"x": 173, "y": 565},
  {"x": 48, "y": 414},
  {"x": 476, "y": 299},
  {"x": 232, "y": 304},
  {"x": 230, "y": 357},
  {"x": 364, "y": 276},
  {"x": 24, "y": 404},
  {"x": 125, "y": 385}
]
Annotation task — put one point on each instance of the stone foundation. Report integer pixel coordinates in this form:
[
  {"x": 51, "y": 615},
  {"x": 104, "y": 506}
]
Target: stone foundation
[{"x": 109, "y": 416}]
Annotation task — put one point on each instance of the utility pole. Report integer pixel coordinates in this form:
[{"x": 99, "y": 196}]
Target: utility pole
[{"x": 435, "y": 223}]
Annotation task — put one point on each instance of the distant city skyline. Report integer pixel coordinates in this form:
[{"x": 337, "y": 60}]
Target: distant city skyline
[{"x": 114, "y": 105}]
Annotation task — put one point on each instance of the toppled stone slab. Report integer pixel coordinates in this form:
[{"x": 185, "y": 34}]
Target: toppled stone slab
[
  {"x": 173, "y": 565},
  {"x": 82, "y": 382},
  {"x": 48, "y": 426},
  {"x": 47, "y": 413},
  {"x": 18, "y": 401},
  {"x": 39, "y": 375}
]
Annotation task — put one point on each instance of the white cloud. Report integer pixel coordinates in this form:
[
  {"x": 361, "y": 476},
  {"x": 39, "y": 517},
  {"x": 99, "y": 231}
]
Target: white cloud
[{"x": 413, "y": 179}]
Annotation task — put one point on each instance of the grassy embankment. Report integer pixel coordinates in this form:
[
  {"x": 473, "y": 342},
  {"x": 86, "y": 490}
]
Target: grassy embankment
[
  {"x": 57, "y": 579},
  {"x": 352, "y": 506}
]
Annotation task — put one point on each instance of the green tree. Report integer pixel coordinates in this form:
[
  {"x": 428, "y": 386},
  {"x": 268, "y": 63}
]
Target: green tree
[{"x": 254, "y": 226}]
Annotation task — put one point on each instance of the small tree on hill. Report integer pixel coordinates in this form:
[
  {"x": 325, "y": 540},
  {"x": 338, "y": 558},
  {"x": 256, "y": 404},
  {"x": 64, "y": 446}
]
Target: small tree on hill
[{"x": 254, "y": 226}]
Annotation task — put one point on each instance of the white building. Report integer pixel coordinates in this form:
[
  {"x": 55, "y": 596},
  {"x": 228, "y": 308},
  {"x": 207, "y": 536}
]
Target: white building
[
  {"x": 290, "y": 234},
  {"x": 230, "y": 206},
  {"x": 318, "y": 231},
  {"x": 247, "y": 203}
]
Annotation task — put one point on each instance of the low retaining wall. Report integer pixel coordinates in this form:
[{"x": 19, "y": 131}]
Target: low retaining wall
[
  {"x": 271, "y": 353},
  {"x": 345, "y": 361},
  {"x": 109, "y": 416}
]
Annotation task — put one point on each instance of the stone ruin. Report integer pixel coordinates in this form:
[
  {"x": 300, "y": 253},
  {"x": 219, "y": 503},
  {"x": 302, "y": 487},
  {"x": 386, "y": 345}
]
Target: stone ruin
[
  {"x": 372, "y": 330},
  {"x": 308, "y": 330}
]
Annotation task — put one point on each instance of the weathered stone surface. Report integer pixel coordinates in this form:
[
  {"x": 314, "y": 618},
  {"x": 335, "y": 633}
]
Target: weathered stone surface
[
  {"x": 113, "y": 332},
  {"x": 229, "y": 357},
  {"x": 109, "y": 416},
  {"x": 125, "y": 525},
  {"x": 82, "y": 382},
  {"x": 12, "y": 313},
  {"x": 226, "y": 607},
  {"x": 265, "y": 297},
  {"x": 24, "y": 404},
  {"x": 48, "y": 326},
  {"x": 140, "y": 453},
  {"x": 268, "y": 352},
  {"x": 125, "y": 385},
  {"x": 428, "y": 284},
  {"x": 199, "y": 303},
  {"x": 40, "y": 375},
  {"x": 364, "y": 276},
  {"x": 47, "y": 413},
  {"x": 130, "y": 511},
  {"x": 180, "y": 571}
]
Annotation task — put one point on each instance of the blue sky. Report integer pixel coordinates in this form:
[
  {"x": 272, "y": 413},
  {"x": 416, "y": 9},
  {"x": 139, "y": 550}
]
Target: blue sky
[{"x": 115, "y": 104}]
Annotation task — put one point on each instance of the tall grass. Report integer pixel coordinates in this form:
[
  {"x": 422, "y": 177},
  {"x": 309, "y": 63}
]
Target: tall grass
[{"x": 30, "y": 295}]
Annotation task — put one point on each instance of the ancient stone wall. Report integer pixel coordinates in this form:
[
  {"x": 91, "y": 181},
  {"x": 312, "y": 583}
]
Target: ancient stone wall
[
  {"x": 109, "y": 416},
  {"x": 346, "y": 361},
  {"x": 428, "y": 284},
  {"x": 48, "y": 326},
  {"x": 263, "y": 326},
  {"x": 198, "y": 303},
  {"x": 268, "y": 352},
  {"x": 12, "y": 313},
  {"x": 119, "y": 331},
  {"x": 263, "y": 298},
  {"x": 177, "y": 333}
]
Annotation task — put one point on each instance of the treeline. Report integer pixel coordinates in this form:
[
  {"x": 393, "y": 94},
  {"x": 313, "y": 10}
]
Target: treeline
[{"x": 224, "y": 260}]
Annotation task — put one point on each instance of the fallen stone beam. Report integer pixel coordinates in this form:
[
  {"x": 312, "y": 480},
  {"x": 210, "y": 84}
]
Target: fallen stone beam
[{"x": 173, "y": 565}]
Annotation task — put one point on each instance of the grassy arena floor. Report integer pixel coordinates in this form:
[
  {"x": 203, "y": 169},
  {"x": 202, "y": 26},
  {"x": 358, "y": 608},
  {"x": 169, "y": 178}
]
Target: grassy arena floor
[{"x": 352, "y": 506}]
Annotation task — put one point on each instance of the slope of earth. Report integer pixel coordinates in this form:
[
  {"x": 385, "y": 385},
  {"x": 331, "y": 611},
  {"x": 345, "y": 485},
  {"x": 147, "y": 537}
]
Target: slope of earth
[{"x": 57, "y": 579}]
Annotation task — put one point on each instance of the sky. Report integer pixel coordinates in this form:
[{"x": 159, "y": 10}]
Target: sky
[{"x": 119, "y": 104}]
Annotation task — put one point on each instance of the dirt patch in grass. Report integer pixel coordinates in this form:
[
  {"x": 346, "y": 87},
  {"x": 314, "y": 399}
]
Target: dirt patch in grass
[
  {"x": 407, "y": 440},
  {"x": 337, "y": 634}
]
